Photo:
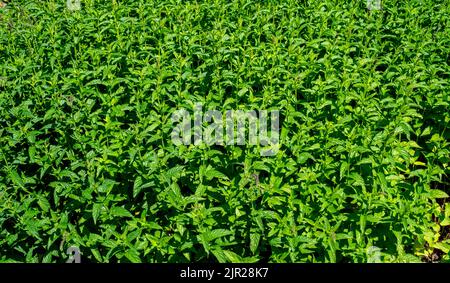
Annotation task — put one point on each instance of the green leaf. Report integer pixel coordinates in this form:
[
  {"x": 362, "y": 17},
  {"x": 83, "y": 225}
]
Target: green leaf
[
  {"x": 137, "y": 186},
  {"x": 303, "y": 157},
  {"x": 435, "y": 193},
  {"x": 220, "y": 255},
  {"x": 232, "y": 257},
  {"x": 358, "y": 180},
  {"x": 344, "y": 168},
  {"x": 259, "y": 165},
  {"x": 442, "y": 246},
  {"x": 96, "y": 210},
  {"x": 174, "y": 172},
  {"x": 16, "y": 178},
  {"x": 133, "y": 256},
  {"x": 120, "y": 212},
  {"x": 44, "y": 204},
  {"x": 215, "y": 234},
  {"x": 97, "y": 255},
  {"x": 254, "y": 242},
  {"x": 106, "y": 186},
  {"x": 212, "y": 173}
]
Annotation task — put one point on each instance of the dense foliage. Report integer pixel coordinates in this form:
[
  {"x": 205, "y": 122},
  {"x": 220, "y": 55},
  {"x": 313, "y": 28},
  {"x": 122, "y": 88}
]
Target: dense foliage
[{"x": 86, "y": 157}]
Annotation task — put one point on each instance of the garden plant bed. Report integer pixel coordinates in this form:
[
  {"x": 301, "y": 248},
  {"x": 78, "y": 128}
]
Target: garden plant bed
[{"x": 87, "y": 159}]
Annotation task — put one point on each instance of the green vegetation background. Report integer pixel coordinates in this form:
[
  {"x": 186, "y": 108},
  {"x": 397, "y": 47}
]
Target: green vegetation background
[{"x": 85, "y": 152}]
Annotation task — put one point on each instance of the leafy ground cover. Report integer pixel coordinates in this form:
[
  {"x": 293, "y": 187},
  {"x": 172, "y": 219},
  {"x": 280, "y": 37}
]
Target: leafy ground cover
[{"x": 86, "y": 157}]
